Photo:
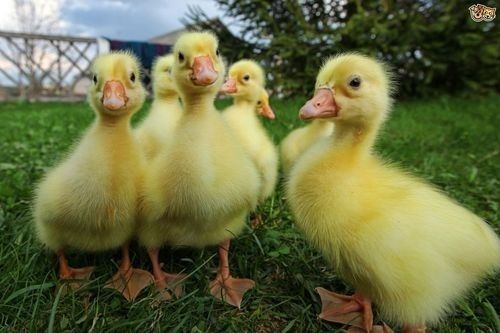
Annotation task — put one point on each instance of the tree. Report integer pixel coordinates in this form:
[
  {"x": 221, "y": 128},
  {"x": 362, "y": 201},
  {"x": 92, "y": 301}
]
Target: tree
[
  {"x": 34, "y": 17},
  {"x": 433, "y": 46}
]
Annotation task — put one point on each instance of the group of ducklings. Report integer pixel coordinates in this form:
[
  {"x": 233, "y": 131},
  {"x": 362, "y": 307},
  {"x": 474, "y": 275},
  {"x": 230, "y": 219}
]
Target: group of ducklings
[{"x": 189, "y": 175}]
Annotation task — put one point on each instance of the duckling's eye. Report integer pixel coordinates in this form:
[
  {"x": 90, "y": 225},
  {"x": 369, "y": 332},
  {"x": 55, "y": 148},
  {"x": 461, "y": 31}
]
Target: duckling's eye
[
  {"x": 355, "y": 82},
  {"x": 217, "y": 52},
  {"x": 168, "y": 70},
  {"x": 181, "y": 56},
  {"x": 94, "y": 78},
  {"x": 246, "y": 77},
  {"x": 259, "y": 103},
  {"x": 132, "y": 77}
]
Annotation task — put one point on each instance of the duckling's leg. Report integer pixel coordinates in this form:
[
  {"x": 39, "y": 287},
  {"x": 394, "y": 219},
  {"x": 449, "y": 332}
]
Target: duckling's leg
[
  {"x": 225, "y": 287},
  {"x": 166, "y": 282},
  {"x": 66, "y": 272},
  {"x": 355, "y": 310},
  {"x": 129, "y": 281}
]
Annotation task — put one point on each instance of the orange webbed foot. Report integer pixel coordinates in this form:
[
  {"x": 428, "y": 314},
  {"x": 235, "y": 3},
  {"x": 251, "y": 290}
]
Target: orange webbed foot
[
  {"x": 76, "y": 277},
  {"x": 353, "y": 310},
  {"x": 170, "y": 284},
  {"x": 130, "y": 282},
  {"x": 375, "y": 329},
  {"x": 230, "y": 290}
]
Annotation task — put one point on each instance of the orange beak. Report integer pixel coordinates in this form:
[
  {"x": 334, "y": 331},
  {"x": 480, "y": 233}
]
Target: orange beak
[
  {"x": 322, "y": 105},
  {"x": 114, "y": 97},
  {"x": 203, "y": 72},
  {"x": 267, "y": 112},
  {"x": 229, "y": 87}
]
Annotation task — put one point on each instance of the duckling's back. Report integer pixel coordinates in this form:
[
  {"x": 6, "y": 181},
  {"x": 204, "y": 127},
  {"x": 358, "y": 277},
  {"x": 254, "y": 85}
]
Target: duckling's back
[{"x": 406, "y": 245}]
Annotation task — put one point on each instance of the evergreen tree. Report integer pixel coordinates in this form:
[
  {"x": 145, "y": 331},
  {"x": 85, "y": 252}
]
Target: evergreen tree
[{"x": 433, "y": 46}]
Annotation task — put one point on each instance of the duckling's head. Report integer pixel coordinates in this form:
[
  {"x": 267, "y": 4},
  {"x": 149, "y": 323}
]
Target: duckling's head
[
  {"x": 198, "y": 67},
  {"x": 116, "y": 89},
  {"x": 350, "y": 88},
  {"x": 245, "y": 80},
  {"x": 263, "y": 107},
  {"x": 162, "y": 76}
]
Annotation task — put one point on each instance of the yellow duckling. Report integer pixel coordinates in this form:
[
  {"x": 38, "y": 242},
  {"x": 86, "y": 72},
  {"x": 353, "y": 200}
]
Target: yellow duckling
[
  {"x": 199, "y": 191},
  {"x": 301, "y": 139},
  {"x": 399, "y": 241},
  {"x": 157, "y": 128},
  {"x": 246, "y": 84},
  {"x": 89, "y": 200}
]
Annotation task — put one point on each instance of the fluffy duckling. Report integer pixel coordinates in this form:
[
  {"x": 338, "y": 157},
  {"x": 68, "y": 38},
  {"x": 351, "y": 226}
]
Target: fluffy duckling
[
  {"x": 299, "y": 140},
  {"x": 199, "y": 191},
  {"x": 246, "y": 85},
  {"x": 157, "y": 128},
  {"x": 399, "y": 241},
  {"x": 89, "y": 201}
]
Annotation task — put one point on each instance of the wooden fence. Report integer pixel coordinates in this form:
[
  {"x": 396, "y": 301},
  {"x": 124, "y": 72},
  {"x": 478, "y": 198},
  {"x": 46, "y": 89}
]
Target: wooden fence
[
  {"x": 46, "y": 67},
  {"x": 36, "y": 66}
]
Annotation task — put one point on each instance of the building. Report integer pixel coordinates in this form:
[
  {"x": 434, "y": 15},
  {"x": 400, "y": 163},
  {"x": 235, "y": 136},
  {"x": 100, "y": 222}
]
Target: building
[{"x": 168, "y": 38}]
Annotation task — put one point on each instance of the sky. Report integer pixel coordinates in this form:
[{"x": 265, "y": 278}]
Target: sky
[{"x": 116, "y": 19}]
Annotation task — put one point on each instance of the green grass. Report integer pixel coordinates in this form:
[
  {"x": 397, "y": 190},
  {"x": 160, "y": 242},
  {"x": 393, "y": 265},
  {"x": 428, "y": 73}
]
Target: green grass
[{"x": 451, "y": 142}]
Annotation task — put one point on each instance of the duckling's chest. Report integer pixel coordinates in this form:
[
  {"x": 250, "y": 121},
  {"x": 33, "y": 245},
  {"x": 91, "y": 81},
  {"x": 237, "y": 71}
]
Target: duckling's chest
[
  {"x": 328, "y": 192},
  {"x": 106, "y": 166}
]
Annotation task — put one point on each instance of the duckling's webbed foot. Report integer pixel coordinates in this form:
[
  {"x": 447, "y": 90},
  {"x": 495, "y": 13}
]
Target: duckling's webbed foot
[
  {"x": 129, "y": 281},
  {"x": 167, "y": 284},
  {"x": 224, "y": 286},
  {"x": 353, "y": 310},
  {"x": 375, "y": 329},
  {"x": 229, "y": 289},
  {"x": 66, "y": 272}
]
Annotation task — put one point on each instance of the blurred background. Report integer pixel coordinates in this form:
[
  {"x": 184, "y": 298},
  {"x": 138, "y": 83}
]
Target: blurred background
[{"x": 434, "y": 47}]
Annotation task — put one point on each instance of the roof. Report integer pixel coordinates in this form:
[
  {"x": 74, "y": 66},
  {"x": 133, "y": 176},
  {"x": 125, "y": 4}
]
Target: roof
[{"x": 168, "y": 38}]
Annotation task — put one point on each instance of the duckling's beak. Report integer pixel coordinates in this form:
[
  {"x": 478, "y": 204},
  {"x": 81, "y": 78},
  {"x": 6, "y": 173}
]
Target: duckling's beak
[
  {"x": 322, "y": 105},
  {"x": 203, "y": 72},
  {"x": 229, "y": 87},
  {"x": 267, "y": 112},
  {"x": 113, "y": 95}
]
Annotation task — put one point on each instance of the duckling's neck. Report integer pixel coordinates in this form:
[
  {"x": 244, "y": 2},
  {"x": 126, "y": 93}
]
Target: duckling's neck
[
  {"x": 116, "y": 123},
  {"x": 197, "y": 103},
  {"x": 245, "y": 101},
  {"x": 166, "y": 96},
  {"x": 246, "y": 104},
  {"x": 356, "y": 137},
  {"x": 166, "y": 99},
  {"x": 320, "y": 124}
]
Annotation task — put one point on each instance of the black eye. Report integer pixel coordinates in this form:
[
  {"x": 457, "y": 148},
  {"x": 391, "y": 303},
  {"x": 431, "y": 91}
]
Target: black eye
[
  {"x": 167, "y": 70},
  {"x": 217, "y": 52},
  {"x": 259, "y": 103},
  {"x": 355, "y": 82},
  {"x": 246, "y": 77},
  {"x": 94, "y": 78},
  {"x": 181, "y": 56},
  {"x": 132, "y": 77}
]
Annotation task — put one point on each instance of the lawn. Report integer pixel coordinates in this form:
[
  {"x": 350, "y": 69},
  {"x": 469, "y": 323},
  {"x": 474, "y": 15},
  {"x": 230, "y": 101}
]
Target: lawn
[{"x": 452, "y": 142}]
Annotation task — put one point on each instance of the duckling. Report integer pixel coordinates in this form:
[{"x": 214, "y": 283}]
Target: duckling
[
  {"x": 199, "y": 191},
  {"x": 246, "y": 85},
  {"x": 301, "y": 139},
  {"x": 89, "y": 201},
  {"x": 400, "y": 242},
  {"x": 158, "y": 126}
]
